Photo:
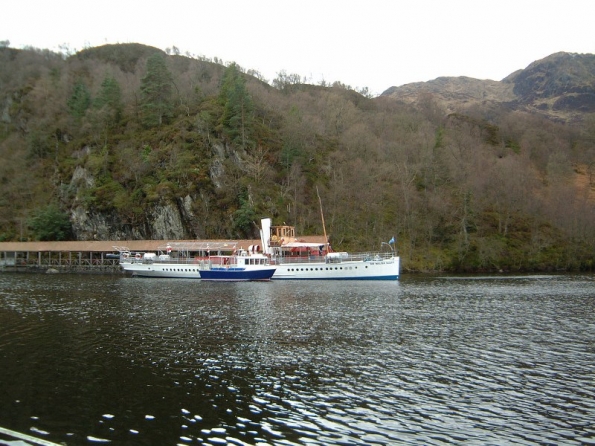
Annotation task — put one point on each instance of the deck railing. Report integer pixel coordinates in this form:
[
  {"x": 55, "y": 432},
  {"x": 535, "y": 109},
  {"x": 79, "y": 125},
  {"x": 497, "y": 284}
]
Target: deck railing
[{"x": 339, "y": 257}]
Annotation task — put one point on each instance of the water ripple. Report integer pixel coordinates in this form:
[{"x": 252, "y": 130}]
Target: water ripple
[{"x": 439, "y": 360}]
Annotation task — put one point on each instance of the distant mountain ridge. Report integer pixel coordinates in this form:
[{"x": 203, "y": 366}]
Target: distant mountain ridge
[{"x": 560, "y": 86}]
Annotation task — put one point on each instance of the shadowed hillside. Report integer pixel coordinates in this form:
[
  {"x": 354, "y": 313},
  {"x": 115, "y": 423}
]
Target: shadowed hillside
[{"x": 560, "y": 87}]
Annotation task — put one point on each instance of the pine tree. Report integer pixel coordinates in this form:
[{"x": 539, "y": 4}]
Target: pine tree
[
  {"x": 80, "y": 100},
  {"x": 156, "y": 92},
  {"x": 110, "y": 99},
  {"x": 238, "y": 107}
]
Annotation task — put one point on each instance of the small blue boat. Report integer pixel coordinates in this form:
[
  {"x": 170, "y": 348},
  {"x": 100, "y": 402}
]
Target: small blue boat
[{"x": 242, "y": 267}]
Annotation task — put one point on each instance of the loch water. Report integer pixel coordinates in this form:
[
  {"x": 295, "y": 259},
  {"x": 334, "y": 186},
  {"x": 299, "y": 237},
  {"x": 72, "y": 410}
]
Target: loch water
[{"x": 428, "y": 360}]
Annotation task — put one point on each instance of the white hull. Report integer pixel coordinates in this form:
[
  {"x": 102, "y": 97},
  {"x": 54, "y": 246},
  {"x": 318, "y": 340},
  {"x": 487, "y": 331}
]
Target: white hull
[
  {"x": 385, "y": 269},
  {"x": 300, "y": 260},
  {"x": 166, "y": 270}
]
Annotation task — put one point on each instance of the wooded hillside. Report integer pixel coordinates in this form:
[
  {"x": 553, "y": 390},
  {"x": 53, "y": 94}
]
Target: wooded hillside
[{"x": 128, "y": 142}]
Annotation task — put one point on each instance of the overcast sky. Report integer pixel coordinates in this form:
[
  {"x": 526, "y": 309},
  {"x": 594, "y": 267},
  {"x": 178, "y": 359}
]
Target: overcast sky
[{"x": 372, "y": 43}]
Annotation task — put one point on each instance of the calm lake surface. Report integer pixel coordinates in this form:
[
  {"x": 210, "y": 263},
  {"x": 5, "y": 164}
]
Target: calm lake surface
[{"x": 427, "y": 360}]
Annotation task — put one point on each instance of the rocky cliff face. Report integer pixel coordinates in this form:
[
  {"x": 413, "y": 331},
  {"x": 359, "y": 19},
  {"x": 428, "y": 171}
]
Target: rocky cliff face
[
  {"x": 560, "y": 86},
  {"x": 165, "y": 221}
]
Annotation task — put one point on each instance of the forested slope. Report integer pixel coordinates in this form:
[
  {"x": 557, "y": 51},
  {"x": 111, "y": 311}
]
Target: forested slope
[{"x": 127, "y": 142}]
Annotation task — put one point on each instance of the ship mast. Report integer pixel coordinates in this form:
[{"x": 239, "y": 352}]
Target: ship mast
[{"x": 322, "y": 216}]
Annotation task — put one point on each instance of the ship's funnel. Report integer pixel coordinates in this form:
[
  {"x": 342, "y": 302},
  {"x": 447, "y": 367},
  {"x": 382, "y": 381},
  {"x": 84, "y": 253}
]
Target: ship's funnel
[{"x": 265, "y": 235}]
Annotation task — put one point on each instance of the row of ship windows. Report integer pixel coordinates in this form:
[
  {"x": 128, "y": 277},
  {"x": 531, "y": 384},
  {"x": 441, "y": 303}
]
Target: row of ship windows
[
  {"x": 187, "y": 270},
  {"x": 322, "y": 269},
  {"x": 291, "y": 269}
]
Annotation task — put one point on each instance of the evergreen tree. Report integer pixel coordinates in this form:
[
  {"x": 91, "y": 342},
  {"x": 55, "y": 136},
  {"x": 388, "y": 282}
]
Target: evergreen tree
[
  {"x": 80, "y": 100},
  {"x": 51, "y": 224},
  {"x": 243, "y": 218},
  {"x": 238, "y": 107},
  {"x": 110, "y": 98},
  {"x": 156, "y": 92}
]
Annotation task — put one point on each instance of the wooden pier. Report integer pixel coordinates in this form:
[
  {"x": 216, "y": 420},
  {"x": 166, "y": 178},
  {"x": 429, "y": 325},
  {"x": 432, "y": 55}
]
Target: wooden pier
[{"x": 94, "y": 256}]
